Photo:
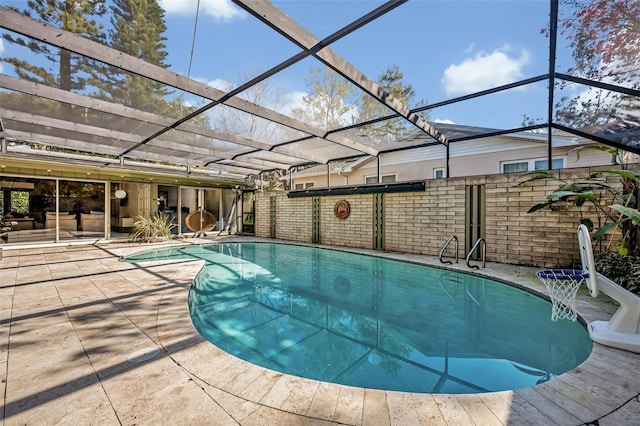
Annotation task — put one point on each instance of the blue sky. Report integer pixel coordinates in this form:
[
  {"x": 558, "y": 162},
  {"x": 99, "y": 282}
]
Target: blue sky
[{"x": 445, "y": 49}]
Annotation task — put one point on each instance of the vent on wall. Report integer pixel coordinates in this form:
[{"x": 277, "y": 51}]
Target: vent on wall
[
  {"x": 272, "y": 217},
  {"x": 378, "y": 221},
  {"x": 315, "y": 220},
  {"x": 474, "y": 217}
]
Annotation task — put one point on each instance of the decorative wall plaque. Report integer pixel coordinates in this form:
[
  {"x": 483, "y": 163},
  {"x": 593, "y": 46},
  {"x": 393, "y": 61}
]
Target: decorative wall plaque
[{"x": 341, "y": 209}]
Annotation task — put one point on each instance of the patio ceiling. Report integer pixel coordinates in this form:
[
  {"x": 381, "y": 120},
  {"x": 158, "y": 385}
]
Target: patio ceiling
[{"x": 114, "y": 135}]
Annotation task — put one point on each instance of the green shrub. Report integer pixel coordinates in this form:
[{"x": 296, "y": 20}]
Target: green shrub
[{"x": 624, "y": 270}]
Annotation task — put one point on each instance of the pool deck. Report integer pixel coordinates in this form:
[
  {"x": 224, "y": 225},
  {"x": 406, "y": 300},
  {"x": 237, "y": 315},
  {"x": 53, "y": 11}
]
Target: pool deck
[{"x": 79, "y": 331}]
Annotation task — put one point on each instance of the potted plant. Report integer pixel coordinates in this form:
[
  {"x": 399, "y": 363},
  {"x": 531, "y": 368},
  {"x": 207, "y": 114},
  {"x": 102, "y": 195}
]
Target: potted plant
[{"x": 153, "y": 228}]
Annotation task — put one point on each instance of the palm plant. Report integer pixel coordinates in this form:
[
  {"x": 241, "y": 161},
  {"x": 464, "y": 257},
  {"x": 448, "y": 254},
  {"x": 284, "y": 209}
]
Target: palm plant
[{"x": 615, "y": 206}]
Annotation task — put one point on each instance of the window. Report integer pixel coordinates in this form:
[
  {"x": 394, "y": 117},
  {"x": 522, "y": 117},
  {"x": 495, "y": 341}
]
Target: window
[
  {"x": 515, "y": 167},
  {"x": 438, "y": 173},
  {"x": 388, "y": 178},
  {"x": 305, "y": 185},
  {"x": 556, "y": 163},
  {"x": 530, "y": 165}
]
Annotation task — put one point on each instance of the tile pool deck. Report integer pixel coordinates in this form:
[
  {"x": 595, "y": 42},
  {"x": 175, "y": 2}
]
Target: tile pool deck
[{"x": 79, "y": 331}]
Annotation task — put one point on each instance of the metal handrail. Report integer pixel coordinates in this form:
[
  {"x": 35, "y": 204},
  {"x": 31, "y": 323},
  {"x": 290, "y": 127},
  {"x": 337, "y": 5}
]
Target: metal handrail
[
  {"x": 471, "y": 296},
  {"x": 483, "y": 253},
  {"x": 450, "y": 279},
  {"x": 444, "y": 247}
]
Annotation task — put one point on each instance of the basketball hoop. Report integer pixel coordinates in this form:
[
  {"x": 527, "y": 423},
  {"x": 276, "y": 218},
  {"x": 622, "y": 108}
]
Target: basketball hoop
[{"x": 562, "y": 285}]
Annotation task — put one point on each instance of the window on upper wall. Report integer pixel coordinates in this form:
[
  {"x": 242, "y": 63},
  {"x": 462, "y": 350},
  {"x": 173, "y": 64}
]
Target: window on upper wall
[
  {"x": 305, "y": 185},
  {"x": 556, "y": 163},
  {"x": 388, "y": 178},
  {"x": 531, "y": 165},
  {"x": 438, "y": 173}
]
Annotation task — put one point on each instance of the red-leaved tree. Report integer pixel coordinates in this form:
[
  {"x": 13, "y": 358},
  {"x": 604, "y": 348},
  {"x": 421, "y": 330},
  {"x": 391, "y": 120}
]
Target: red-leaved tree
[{"x": 604, "y": 38}]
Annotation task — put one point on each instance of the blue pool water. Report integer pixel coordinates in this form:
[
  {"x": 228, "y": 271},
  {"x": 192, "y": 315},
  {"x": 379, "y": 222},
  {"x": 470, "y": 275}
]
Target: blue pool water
[{"x": 375, "y": 323}]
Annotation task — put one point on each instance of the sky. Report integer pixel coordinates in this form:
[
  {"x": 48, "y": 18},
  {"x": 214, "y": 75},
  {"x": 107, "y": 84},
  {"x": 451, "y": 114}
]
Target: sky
[{"x": 445, "y": 49}]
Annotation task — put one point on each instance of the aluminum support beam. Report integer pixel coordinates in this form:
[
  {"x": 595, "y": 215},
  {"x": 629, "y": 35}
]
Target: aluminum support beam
[
  {"x": 278, "y": 20},
  {"x": 122, "y": 140},
  {"x": 26, "y": 26},
  {"x": 71, "y": 98},
  {"x": 103, "y": 149}
]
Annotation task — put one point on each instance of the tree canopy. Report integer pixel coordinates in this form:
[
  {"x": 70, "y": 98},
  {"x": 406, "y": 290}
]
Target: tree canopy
[
  {"x": 136, "y": 29},
  {"x": 333, "y": 102},
  {"x": 330, "y": 101},
  {"x": 369, "y": 108},
  {"x": 77, "y": 16},
  {"x": 604, "y": 38}
]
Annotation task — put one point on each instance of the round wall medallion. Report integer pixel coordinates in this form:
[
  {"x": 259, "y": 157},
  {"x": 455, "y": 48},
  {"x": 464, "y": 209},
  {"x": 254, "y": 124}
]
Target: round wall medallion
[
  {"x": 121, "y": 193},
  {"x": 341, "y": 209}
]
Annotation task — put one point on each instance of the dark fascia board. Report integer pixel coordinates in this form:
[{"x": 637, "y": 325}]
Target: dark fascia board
[{"x": 378, "y": 188}]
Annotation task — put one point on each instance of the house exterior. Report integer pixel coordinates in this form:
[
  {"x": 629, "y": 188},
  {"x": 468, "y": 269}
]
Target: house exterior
[
  {"x": 51, "y": 202},
  {"x": 517, "y": 152}
]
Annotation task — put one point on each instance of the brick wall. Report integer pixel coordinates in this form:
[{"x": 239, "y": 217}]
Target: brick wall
[
  {"x": 420, "y": 222},
  {"x": 354, "y": 231}
]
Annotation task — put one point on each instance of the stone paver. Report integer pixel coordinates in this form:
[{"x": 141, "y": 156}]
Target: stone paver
[{"x": 71, "y": 319}]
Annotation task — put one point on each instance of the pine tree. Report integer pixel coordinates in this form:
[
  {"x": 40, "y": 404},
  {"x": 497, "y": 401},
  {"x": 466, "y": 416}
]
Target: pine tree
[
  {"x": 137, "y": 28},
  {"x": 77, "y": 16},
  {"x": 71, "y": 71}
]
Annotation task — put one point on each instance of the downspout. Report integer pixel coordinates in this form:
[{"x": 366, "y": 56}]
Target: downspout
[
  {"x": 329, "y": 174},
  {"x": 447, "y": 158}
]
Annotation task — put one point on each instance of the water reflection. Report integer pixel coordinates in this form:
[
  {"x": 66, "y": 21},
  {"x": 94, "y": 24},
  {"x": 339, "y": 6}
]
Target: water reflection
[{"x": 376, "y": 323}]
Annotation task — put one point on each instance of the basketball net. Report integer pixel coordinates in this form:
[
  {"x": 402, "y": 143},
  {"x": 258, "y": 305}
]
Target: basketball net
[{"x": 562, "y": 285}]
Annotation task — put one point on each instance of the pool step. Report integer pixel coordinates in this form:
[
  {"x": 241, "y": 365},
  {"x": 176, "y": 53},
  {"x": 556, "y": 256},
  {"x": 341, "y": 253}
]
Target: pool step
[{"x": 218, "y": 308}]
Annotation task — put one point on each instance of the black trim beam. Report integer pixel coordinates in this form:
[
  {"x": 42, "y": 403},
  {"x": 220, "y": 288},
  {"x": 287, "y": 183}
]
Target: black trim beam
[
  {"x": 600, "y": 139},
  {"x": 26, "y": 26},
  {"x": 444, "y": 103},
  {"x": 381, "y": 188},
  {"x": 599, "y": 84},
  {"x": 468, "y": 138},
  {"x": 553, "y": 38},
  {"x": 298, "y": 35}
]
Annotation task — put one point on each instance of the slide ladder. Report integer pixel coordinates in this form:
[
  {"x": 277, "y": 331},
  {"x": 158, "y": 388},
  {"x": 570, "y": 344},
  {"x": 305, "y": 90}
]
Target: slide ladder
[{"x": 622, "y": 331}]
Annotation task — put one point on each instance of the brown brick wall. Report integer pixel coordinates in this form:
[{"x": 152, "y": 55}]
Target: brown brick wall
[{"x": 420, "y": 222}]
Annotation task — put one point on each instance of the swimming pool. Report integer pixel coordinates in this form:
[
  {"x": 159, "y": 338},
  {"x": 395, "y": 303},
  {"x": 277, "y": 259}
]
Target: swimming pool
[{"x": 372, "y": 322}]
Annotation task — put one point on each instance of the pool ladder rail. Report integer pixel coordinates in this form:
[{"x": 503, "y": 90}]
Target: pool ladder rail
[
  {"x": 483, "y": 253},
  {"x": 480, "y": 243},
  {"x": 444, "y": 247}
]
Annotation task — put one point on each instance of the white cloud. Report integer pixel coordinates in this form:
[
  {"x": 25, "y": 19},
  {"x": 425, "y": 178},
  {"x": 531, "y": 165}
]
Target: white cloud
[
  {"x": 220, "y": 84},
  {"x": 219, "y": 10},
  {"x": 443, "y": 121},
  {"x": 293, "y": 100},
  {"x": 484, "y": 71}
]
